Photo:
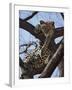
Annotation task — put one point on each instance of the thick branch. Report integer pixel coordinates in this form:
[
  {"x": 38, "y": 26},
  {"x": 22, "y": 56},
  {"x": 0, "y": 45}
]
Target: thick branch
[
  {"x": 54, "y": 61},
  {"x": 30, "y": 28},
  {"x": 59, "y": 32},
  {"x": 25, "y": 25}
]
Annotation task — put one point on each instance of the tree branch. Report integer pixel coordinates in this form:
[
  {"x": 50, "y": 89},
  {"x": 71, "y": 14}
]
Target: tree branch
[
  {"x": 59, "y": 32},
  {"x": 30, "y": 28},
  {"x": 27, "y": 46},
  {"x": 54, "y": 61}
]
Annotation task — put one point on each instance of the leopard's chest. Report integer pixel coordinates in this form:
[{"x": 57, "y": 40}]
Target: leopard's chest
[{"x": 45, "y": 52}]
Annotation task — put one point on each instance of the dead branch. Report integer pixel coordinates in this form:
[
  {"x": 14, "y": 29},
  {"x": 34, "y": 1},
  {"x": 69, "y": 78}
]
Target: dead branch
[
  {"x": 27, "y": 46},
  {"x": 54, "y": 61}
]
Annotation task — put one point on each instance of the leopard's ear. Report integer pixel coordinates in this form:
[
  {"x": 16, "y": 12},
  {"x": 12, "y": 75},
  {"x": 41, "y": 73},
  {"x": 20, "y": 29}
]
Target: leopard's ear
[
  {"x": 52, "y": 23},
  {"x": 42, "y": 22}
]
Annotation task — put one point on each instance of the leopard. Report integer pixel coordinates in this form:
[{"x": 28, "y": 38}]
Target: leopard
[{"x": 45, "y": 51}]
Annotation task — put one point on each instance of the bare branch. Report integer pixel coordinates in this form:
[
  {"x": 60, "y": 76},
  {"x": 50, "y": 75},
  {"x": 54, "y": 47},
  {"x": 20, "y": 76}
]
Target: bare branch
[
  {"x": 54, "y": 61},
  {"x": 27, "y": 46},
  {"x": 30, "y": 28},
  {"x": 31, "y": 43},
  {"x": 59, "y": 32}
]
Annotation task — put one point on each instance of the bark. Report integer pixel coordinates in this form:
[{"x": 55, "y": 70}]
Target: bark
[
  {"x": 61, "y": 68},
  {"x": 54, "y": 61},
  {"x": 59, "y": 32}
]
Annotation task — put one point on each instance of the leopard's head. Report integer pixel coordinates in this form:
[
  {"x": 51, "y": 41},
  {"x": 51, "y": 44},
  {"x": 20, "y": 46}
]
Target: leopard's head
[{"x": 47, "y": 26}]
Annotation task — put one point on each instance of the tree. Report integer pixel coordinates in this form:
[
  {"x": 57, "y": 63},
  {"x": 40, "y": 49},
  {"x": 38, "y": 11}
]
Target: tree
[{"x": 58, "y": 49}]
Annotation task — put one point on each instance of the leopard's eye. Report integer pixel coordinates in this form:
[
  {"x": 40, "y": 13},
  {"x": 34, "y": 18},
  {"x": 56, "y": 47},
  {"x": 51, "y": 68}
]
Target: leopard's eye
[
  {"x": 52, "y": 23},
  {"x": 42, "y": 22}
]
